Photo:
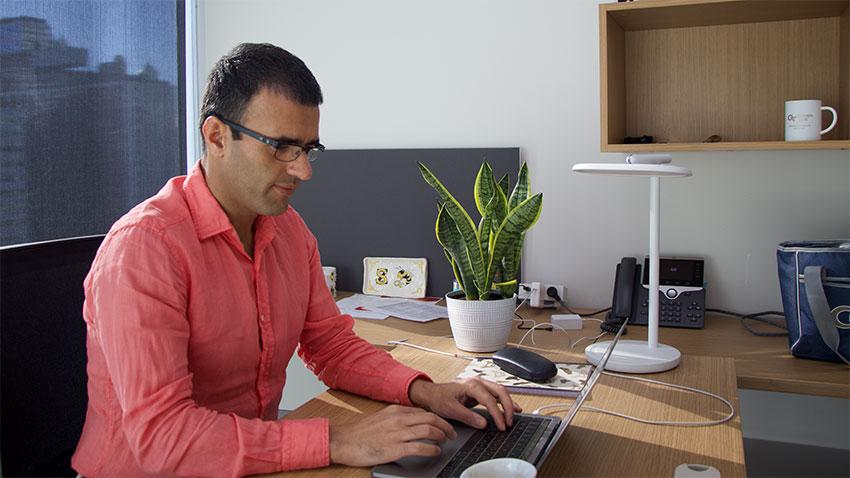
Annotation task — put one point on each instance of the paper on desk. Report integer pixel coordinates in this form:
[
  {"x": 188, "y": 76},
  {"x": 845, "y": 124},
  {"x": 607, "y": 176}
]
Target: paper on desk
[
  {"x": 360, "y": 306},
  {"x": 373, "y": 307},
  {"x": 414, "y": 310}
]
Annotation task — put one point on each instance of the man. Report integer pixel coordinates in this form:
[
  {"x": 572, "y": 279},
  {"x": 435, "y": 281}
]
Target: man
[{"x": 200, "y": 295}]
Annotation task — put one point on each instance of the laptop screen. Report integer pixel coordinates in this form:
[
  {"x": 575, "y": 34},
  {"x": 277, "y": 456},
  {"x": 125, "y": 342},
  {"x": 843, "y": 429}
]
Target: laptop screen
[{"x": 594, "y": 377}]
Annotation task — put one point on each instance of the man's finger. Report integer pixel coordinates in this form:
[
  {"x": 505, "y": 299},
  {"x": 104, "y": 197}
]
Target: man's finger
[
  {"x": 478, "y": 391},
  {"x": 462, "y": 414},
  {"x": 432, "y": 419},
  {"x": 504, "y": 398},
  {"x": 417, "y": 448},
  {"x": 424, "y": 432}
]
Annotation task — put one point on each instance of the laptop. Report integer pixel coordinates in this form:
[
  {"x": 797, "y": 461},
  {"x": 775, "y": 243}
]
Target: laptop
[{"x": 531, "y": 438}]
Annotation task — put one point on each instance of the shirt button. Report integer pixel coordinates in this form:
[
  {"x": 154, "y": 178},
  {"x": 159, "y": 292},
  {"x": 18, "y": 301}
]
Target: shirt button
[{"x": 262, "y": 317}]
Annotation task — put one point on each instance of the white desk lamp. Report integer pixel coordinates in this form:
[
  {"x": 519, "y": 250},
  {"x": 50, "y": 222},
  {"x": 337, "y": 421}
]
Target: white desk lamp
[{"x": 638, "y": 356}]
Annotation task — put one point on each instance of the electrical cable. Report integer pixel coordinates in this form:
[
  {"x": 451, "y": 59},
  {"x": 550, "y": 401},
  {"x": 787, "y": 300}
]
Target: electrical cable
[
  {"x": 426, "y": 349},
  {"x": 758, "y": 316},
  {"x": 731, "y": 415},
  {"x": 523, "y": 319},
  {"x": 587, "y": 338},
  {"x": 726, "y": 402},
  {"x": 553, "y": 293},
  {"x": 569, "y": 338},
  {"x": 591, "y": 314},
  {"x": 531, "y": 331}
]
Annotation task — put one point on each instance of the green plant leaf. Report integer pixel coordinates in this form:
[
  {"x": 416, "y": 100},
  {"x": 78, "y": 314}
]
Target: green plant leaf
[
  {"x": 511, "y": 260},
  {"x": 507, "y": 241},
  {"x": 485, "y": 187},
  {"x": 522, "y": 188},
  {"x": 505, "y": 184},
  {"x": 485, "y": 227},
  {"x": 507, "y": 288},
  {"x": 500, "y": 210},
  {"x": 455, "y": 270},
  {"x": 450, "y": 238},
  {"x": 466, "y": 228}
]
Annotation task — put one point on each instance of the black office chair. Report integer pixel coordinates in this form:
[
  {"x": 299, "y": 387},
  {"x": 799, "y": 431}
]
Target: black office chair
[{"x": 42, "y": 355}]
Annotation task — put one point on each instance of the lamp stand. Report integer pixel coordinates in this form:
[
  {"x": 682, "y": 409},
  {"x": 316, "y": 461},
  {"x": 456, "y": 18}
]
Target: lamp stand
[{"x": 638, "y": 356}]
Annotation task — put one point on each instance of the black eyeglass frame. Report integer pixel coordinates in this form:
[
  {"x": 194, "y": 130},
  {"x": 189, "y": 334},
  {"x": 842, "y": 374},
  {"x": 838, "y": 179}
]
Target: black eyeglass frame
[{"x": 315, "y": 149}]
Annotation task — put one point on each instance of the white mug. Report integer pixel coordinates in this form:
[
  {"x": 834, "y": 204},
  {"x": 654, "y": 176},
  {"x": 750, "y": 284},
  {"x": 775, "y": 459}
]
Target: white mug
[
  {"x": 330, "y": 278},
  {"x": 803, "y": 120},
  {"x": 500, "y": 468}
]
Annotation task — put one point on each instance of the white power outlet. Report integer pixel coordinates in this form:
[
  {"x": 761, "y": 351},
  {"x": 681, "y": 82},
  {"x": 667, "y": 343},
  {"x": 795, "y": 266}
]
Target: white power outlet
[{"x": 535, "y": 293}]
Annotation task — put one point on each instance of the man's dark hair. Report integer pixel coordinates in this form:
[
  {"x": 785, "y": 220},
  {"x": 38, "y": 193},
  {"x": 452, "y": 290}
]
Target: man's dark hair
[{"x": 248, "y": 68}]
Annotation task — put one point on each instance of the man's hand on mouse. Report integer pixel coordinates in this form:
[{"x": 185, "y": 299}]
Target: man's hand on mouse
[{"x": 453, "y": 400}]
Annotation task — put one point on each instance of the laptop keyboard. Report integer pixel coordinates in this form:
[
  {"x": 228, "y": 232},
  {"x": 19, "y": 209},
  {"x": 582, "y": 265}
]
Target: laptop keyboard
[{"x": 515, "y": 442}]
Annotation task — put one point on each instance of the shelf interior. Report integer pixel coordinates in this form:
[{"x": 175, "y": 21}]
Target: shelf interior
[
  {"x": 729, "y": 77},
  {"x": 657, "y": 14}
]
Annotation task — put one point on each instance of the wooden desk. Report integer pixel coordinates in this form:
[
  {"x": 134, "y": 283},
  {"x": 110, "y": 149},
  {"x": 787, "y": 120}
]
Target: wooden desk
[
  {"x": 761, "y": 363},
  {"x": 595, "y": 444}
]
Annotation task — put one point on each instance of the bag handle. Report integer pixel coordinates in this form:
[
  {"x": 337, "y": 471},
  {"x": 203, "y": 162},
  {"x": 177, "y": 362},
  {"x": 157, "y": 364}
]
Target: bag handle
[{"x": 820, "y": 308}]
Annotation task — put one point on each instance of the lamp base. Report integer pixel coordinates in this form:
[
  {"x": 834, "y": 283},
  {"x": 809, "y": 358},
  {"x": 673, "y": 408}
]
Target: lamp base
[{"x": 634, "y": 356}]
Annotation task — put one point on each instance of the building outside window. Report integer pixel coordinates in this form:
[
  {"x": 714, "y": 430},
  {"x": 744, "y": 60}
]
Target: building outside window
[{"x": 92, "y": 112}]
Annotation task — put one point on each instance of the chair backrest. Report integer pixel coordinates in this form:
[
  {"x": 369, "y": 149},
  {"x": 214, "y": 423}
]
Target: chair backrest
[{"x": 43, "y": 354}]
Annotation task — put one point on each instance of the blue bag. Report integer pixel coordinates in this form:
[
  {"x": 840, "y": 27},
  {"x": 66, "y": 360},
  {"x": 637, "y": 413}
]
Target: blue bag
[{"x": 814, "y": 278}]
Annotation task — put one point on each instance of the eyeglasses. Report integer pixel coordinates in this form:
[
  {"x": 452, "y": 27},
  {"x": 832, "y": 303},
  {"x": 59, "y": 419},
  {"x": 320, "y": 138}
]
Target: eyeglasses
[{"x": 285, "y": 151}]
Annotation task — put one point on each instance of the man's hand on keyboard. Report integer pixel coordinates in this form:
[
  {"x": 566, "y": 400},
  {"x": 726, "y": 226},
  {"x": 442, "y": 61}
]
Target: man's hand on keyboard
[
  {"x": 388, "y": 435},
  {"x": 453, "y": 400}
]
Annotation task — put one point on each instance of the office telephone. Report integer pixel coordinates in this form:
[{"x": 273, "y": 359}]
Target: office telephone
[{"x": 681, "y": 293}]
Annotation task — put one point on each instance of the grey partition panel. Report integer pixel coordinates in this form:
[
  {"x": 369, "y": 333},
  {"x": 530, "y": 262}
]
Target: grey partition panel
[{"x": 374, "y": 203}]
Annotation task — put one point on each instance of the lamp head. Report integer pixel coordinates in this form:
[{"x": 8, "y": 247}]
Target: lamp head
[{"x": 633, "y": 158}]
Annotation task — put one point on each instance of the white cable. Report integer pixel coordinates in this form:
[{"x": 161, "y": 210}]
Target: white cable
[
  {"x": 587, "y": 337},
  {"x": 520, "y": 305},
  {"x": 601, "y": 410},
  {"x": 519, "y": 318},
  {"x": 531, "y": 331},
  {"x": 655, "y": 422},
  {"x": 569, "y": 338},
  {"x": 426, "y": 349}
]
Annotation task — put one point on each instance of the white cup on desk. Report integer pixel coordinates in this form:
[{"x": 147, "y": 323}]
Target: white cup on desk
[
  {"x": 803, "y": 120},
  {"x": 501, "y": 468},
  {"x": 330, "y": 278}
]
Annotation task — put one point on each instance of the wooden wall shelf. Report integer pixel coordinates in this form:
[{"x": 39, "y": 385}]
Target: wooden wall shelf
[
  {"x": 730, "y": 146},
  {"x": 684, "y": 70}
]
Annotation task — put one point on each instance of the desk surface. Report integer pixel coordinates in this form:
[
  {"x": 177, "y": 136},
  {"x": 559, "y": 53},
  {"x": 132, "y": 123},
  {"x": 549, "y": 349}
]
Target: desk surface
[
  {"x": 592, "y": 442},
  {"x": 761, "y": 363}
]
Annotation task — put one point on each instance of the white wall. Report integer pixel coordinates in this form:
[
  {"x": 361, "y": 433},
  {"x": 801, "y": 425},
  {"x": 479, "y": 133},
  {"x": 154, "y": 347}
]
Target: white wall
[
  {"x": 489, "y": 73},
  {"x": 479, "y": 73}
]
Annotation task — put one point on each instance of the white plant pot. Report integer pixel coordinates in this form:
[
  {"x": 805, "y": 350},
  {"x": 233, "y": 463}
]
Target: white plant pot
[{"x": 480, "y": 325}]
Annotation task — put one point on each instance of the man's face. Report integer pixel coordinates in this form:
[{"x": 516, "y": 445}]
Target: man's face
[{"x": 248, "y": 179}]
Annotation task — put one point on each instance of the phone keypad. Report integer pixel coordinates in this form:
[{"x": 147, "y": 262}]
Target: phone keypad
[{"x": 686, "y": 310}]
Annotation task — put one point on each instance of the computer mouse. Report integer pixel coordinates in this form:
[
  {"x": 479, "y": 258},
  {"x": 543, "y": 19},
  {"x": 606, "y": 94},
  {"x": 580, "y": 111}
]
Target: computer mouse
[{"x": 525, "y": 364}]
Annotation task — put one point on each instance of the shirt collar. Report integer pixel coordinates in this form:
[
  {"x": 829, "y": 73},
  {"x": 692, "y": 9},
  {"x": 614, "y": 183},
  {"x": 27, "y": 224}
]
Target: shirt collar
[{"x": 208, "y": 216}]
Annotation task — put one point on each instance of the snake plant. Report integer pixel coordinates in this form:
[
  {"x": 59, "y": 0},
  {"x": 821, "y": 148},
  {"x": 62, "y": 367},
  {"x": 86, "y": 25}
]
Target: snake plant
[{"x": 486, "y": 256}]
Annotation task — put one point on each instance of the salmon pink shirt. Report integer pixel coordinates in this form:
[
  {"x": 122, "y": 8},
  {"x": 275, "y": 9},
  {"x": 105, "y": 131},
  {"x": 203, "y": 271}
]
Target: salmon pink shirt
[{"x": 189, "y": 339}]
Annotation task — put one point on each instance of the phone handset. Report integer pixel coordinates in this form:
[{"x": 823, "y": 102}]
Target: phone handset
[{"x": 626, "y": 280}]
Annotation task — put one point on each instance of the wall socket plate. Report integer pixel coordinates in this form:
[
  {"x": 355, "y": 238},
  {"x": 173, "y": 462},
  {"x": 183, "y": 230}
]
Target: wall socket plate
[{"x": 545, "y": 300}]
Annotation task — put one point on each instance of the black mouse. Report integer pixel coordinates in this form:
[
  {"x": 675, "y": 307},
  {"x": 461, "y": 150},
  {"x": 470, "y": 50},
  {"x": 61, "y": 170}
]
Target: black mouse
[{"x": 525, "y": 364}]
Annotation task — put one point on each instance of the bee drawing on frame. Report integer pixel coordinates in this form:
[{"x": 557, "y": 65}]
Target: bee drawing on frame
[
  {"x": 381, "y": 274},
  {"x": 403, "y": 278},
  {"x": 395, "y": 276}
]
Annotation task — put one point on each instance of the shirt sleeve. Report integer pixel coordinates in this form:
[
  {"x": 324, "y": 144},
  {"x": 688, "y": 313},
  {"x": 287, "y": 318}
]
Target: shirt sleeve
[
  {"x": 136, "y": 300},
  {"x": 342, "y": 360}
]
